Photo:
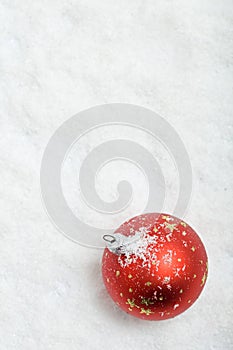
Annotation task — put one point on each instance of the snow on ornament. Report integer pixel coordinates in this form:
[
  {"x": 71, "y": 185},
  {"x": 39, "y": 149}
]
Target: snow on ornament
[{"x": 154, "y": 266}]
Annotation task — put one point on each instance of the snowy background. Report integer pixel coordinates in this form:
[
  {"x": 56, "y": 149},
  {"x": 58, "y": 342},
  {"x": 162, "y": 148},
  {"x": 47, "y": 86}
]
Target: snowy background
[{"x": 60, "y": 57}]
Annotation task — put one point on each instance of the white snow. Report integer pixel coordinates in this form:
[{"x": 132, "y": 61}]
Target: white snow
[{"x": 60, "y": 57}]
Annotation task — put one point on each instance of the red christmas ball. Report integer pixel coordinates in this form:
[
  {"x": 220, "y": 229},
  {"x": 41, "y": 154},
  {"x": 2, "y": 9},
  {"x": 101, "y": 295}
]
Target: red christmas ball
[{"x": 154, "y": 266}]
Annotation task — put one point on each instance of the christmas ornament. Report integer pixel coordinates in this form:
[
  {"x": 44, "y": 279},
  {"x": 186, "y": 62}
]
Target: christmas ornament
[{"x": 154, "y": 266}]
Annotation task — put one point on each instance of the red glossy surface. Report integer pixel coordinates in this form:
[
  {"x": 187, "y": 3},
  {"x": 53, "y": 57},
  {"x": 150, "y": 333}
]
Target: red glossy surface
[{"x": 167, "y": 279}]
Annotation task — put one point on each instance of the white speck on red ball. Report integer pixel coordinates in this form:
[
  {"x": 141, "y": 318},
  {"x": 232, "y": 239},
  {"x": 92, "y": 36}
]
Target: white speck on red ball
[{"x": 160, "y": 275}]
